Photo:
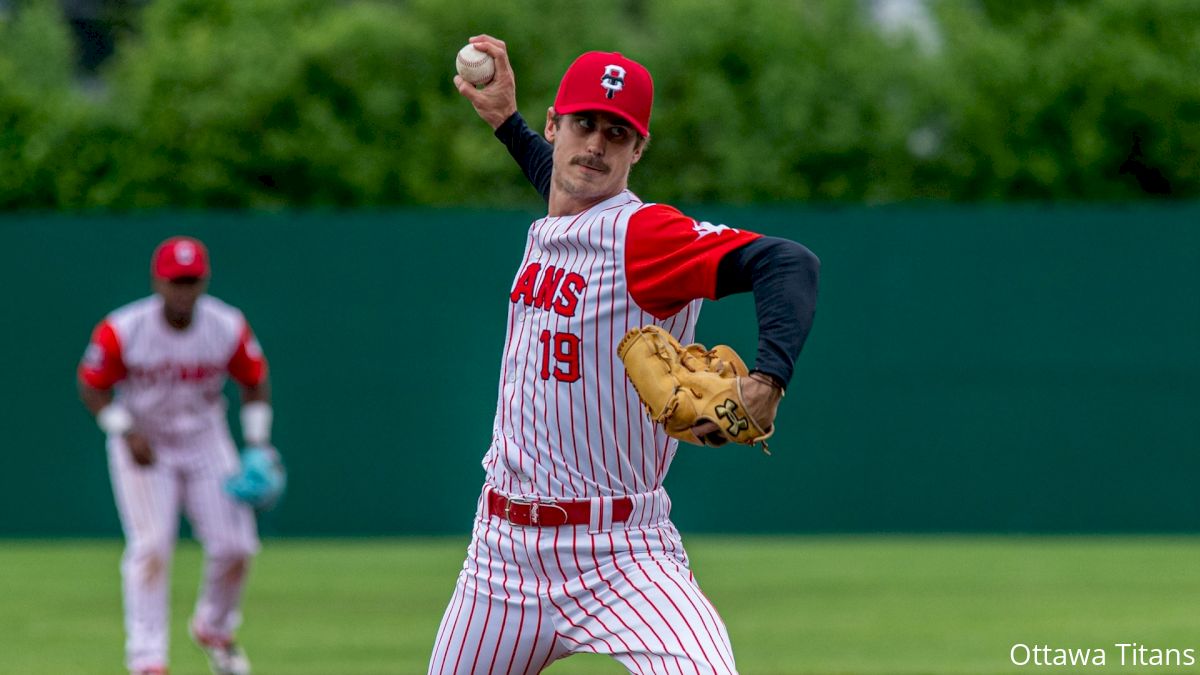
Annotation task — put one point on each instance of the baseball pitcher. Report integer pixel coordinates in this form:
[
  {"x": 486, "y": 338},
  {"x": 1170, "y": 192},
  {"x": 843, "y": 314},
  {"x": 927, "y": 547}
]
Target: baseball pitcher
[{"x": 573, "y": 549}]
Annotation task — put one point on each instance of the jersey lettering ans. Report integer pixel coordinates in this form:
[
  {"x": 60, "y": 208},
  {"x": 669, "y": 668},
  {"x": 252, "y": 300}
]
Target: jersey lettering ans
[
  {"x": 568, "y": 423},
  {"x": 171, "y": 380}
]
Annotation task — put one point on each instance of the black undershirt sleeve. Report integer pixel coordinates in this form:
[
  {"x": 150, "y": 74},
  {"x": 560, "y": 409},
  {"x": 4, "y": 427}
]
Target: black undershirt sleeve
[
  {"x": 781, "y": 273},
  {"x": 783, "y": 276},
  {"x": 533, "y": 153}
]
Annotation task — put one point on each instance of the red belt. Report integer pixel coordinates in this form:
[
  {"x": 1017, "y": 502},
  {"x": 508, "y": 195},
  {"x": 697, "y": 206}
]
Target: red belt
[{"x": 550, "y": 513}]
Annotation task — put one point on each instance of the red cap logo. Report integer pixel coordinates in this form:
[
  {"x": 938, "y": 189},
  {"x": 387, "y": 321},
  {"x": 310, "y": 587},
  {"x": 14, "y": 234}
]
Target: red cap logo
[
  {"x": 608, "y": 82},
  {"x": 180, "y": 257}
]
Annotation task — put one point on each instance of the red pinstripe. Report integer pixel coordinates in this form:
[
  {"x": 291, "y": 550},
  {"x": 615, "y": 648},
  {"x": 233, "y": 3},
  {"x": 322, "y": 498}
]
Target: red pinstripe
[
  {"x": 617, "y": 566},
  {"x": 502, "y": 415},
  {"x": 581, "y": 645},
  {"x": 578, "y": 566},
  {"x": 547, "y": 489},
  {"x": 563, "y": 613},
  {"x": 550, "y": 654},
  {"x": 588, "y": 424},
  {"x": 491, "y": 592},
  {"x": 522, "y": 376},
  {"x": 507, "y": 600},
  {"x": 614, "y": 418},
  {"x": 538, "y": 594},
  {"x": 617, "y": 593},
  {"x": 568, "y": 223},
  {"x": 628, "y": 424},
  {"x": 460, "y": 598},
  {"x": 709, "y": 613},
  {"x": 586, "y": 259},
  {"x": 493, "y": 457},
  {"x": 470, "y": 618},
  {"x": 685, "y": 594},
  {"x": 538, "y": 579}
]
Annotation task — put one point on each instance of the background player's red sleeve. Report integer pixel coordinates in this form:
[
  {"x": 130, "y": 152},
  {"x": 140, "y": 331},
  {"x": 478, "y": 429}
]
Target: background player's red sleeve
[
  {"x": 102, "y": 365},
  {"x": 671, "y": 259},
  {"x": 248, "y": 365}
]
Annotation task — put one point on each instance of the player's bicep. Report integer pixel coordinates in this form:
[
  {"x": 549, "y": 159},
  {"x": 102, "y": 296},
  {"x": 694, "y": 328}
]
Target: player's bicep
[{"x": 102, "y": 365}]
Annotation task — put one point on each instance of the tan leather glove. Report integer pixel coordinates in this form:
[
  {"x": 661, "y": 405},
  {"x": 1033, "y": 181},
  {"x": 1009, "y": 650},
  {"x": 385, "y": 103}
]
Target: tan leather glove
[{"x": 683, "y": 386}]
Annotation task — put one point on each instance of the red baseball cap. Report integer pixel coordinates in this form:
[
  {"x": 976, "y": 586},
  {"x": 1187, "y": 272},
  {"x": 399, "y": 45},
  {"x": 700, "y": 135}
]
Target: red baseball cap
[
  {"x": 180, "y": 257},
  {"x": 610, "y": 82}
]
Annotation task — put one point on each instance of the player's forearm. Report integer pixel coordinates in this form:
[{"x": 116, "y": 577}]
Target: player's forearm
[
  {"x": 783, "y": 276},
  {"x": 259, "y": 392},
  {"x": 113, "y": 418},
  {"x": 533, "y": 153},
  {"x": 94, "y": 399}
]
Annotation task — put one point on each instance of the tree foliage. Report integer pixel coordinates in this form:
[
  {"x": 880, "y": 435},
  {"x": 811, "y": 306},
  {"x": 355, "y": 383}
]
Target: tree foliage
[{"x": 270, "y": 103}]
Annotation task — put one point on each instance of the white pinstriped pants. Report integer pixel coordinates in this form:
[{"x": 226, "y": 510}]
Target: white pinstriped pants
[
  {"x": 528, "y": 596},
  {"x": 149, "y": 500}
]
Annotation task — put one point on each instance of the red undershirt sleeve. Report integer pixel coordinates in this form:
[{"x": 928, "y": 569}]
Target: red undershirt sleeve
[
  {"x": 102, "y": 365},
  {"x": 671, "y": 259},
  {"x": 248, "y": 365}
]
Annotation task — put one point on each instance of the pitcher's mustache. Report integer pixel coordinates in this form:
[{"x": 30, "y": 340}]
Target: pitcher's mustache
[{"x": 590, "y": 163}]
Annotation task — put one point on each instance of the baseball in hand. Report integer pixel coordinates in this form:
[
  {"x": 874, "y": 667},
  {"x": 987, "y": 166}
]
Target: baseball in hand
[{"x": 475, "y": 66}]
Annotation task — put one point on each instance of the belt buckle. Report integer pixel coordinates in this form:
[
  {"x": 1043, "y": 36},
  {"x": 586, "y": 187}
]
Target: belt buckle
[
  {"x": 535, "y": 511},
  {"x": 508, "y": 504}
]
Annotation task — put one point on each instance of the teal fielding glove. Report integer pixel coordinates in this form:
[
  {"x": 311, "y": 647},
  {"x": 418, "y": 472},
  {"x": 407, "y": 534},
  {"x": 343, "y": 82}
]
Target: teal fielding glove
[{"x": 261, "y": 481}]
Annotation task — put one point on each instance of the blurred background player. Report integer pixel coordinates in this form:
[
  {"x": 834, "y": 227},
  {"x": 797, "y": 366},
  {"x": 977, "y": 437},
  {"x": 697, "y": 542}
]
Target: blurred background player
[
  {"x": 152, "y": 375},
  {"x": 573, "y": 548}
]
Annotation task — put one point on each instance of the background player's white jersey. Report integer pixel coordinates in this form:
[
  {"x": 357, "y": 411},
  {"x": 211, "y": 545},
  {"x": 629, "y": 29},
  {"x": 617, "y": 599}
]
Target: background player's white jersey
[
  {"x": 169, "y": 379},
  {"x": 568, "y": 423}
]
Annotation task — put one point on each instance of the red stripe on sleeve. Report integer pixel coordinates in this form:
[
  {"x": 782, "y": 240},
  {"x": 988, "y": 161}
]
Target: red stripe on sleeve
[
  {"x": 248, "y": 365},
  {"x": 671, "y": 259},
  {"x": 102, "y": 365}
]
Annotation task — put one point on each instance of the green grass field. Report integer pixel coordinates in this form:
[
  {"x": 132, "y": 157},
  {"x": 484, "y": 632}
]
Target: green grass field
[{"x": 792, "y": 604}]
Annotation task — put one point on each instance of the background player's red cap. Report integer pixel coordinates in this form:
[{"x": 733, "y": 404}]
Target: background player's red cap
[
  {"x": 180, "y": 257},
  {"x": 610, "y": 82}
]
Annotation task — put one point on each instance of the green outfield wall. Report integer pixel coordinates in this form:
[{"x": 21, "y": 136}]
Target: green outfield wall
[{"x": 982, "y": 369}]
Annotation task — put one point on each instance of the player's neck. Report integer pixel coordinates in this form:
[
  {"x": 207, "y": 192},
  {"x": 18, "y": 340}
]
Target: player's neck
[
  {"x": 179, "y": 322},
  {"x": 563, "y": 203}
]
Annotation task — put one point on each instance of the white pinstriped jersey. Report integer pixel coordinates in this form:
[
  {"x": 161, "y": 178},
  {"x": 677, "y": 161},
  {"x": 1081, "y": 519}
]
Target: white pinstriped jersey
[
  {"x": 568, "y": 423},
  {"x": 171, "y": 380}
]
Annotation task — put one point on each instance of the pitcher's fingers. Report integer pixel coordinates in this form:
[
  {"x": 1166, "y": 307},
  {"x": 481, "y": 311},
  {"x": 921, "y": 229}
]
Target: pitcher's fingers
[
  {"x": 709, "y": 433},
  {"x": 496, "y": 50},
  {"x": 467, "y": 89},
  {"x": 484, "y": 38}
]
